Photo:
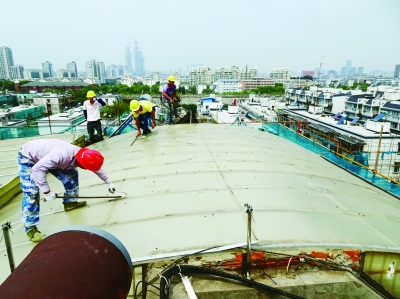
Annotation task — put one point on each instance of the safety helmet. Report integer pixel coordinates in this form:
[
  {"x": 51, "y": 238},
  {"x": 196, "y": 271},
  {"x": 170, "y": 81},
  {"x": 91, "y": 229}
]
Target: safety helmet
[
  {"x": 90, "y": 159},
  {"x": 134, "y": 105},
  {"x": 90, "y": 94},
  {"x": 171, "y": 78}
]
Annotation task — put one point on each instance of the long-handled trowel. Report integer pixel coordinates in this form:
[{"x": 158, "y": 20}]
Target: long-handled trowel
[{"x": 114, "y": 196}]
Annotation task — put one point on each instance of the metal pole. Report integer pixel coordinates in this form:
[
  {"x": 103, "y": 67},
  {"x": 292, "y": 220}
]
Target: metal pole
[
  {"x": 6, "y": 227},
  {"x": 377, "y": 153},
  {"x": 249, "y": 212}
]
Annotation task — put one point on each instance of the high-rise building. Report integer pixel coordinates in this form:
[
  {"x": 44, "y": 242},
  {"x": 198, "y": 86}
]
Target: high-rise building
[
  {"x": 47, "y": 69},
  {"x": 33, "y": 74},
  {"x": 92, "y": 69},
  {"x": 6, "y": 60},
  {"x": 63, "y": 73},
  {"x": 16, "y": 72},
  {"x": 128, "y": 60},
  {"x": 102, "y": 72},
  {"x": 199, "y": 75},
  {"x": 72, "y": 69},
  {"x": 112, "y": 70},
  {"x": 115, "y": 70},
  {"x": 360, "y": 70},
  {"x": 248, "y": 73},
  {"x": 397, "y": 71},
  {"x": 279, "y": 75},
  {"x": 120, "y": 71},
  {"x": 225, "y": 73},
  {"x": 95, "y": 69},
  {"x": 348, "y": 66},
  {"x": 139, "y": 61}
]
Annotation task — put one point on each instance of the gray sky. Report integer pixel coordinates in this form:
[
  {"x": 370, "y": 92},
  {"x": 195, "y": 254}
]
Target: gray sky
[{"x": 216, "y": 33}]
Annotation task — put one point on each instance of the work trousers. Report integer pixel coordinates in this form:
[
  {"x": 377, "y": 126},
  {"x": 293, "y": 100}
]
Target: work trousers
[
  {"x": 170, "y": 113},
  {"x": 144, "y": 122},
  {"x": 30, "y": 199},
  {"x": 91, "y": 126}
]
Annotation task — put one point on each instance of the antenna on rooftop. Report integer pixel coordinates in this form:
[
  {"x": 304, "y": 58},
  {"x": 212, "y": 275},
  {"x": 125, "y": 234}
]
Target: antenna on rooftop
[{"x": 319, "y": 72}]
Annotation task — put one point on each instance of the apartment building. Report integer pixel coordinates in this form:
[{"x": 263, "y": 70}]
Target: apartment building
[
  {"x": 232, "y": 72},
  {"x": 256, "y": 82},
  {"x": 199, "y": 75},
  {"x": 228, "y": 85},
  {"x": 6, "y": 61},
  {"x": 280, "y": 75}
]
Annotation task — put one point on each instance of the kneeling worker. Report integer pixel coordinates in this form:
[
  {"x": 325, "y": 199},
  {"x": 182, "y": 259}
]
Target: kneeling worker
[
  {"x": 61, "y": 159},
  {"x": 142, "y": 111}
]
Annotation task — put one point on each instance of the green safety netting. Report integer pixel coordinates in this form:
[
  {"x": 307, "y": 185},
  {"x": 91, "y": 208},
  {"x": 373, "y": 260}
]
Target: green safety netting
[
  {"x": 279, "y": 130},
  {"x": 30, "y": 113}
]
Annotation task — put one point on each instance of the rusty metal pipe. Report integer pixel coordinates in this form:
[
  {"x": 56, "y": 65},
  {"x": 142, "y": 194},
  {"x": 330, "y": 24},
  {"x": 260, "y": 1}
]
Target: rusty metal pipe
[{"x": 77, "y": 262}]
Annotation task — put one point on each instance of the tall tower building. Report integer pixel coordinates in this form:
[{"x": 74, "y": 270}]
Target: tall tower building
[
  {"x": 96, "y": 69},
  {"x": 72, "y": 69},
  {"x": 139, "y": 61},
  {"x": 128, "y": 60},
  {"x": 47, "y": 68},
  {"x": 92, "y": 69},
  {"x": 102, "y": 72},
  {"x": 397, "y": 71},
  {"x": 348, "y": 66},
  {"x": 6, "y": 61}
]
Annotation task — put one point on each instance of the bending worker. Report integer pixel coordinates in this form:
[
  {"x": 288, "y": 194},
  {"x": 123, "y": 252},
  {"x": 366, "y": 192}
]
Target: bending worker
[
  {"x": 142, "y": 111},
  {"x": 169, "y": 97},
  {"x": 61, "y": 159},
  {"x": 91, "y": 110}
]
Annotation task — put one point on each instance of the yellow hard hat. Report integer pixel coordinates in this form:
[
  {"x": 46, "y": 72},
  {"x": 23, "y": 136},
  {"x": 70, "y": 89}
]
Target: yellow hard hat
[
  {"x": 134, "y": 105},
  {"x": 90, "y": 94},
  {"x": 171, "y": 78}
]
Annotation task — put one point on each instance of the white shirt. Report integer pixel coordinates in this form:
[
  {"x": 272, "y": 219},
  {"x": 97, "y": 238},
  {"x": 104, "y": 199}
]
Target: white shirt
[{"x": 92, "y": 110}]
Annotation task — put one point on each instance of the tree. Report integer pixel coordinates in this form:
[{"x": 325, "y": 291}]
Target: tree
[
  {"x": 192, "y": 89},
  {"x": 7, "y": 85}
]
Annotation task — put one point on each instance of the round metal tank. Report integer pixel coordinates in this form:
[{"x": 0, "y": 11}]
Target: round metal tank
[
  {"x": 145, "y": 97},
  {"x": 77, "y": 262}
]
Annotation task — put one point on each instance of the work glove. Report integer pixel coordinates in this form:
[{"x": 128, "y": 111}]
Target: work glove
[
  {"x": 49, "y": 196},
  {"x": 111, "y": 187}
]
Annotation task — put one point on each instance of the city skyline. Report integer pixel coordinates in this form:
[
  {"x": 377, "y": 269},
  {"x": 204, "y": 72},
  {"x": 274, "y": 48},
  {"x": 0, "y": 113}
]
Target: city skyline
[{"x": 211, "y": 34}]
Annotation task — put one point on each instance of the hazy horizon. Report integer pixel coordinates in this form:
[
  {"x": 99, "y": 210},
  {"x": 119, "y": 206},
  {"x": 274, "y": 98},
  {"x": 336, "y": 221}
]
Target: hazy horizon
[{"x": 264, "y": 34}]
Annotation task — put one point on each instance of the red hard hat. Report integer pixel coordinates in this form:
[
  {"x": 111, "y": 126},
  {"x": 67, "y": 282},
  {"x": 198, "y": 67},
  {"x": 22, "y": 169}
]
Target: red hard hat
[{"x": 90, "y": 159}]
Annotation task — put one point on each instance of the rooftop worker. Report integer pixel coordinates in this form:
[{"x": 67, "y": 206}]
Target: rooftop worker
[
  {"x": 142, "y": 111},
  {"x": 60, "y": 158},
  {"x": 91, "y": 110},
  {"x": 169, "y": 97}
]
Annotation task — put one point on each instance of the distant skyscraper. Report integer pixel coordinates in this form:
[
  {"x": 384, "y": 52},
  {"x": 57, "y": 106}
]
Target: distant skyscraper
[
  {"x": 92, "y": 69},
  {"x": 343, "y": 71},
  {"x": 348, "y": 66},
  {"x": 120, "y": 70},
  {"x": 360, "y": 70},
  {"x": 6, "y": 60},
  {"x": 72, "y": 69},
  {"x": 112, "y": 70},
  {"x": 139, "y": 61},
  {"x": 16, "y": 72},
  {"x": 397, "y": 71},
  {"x": 128, "y": 60},
  {"x": 47, "y": 69},
  {"x": 95, "y": 69},
  {"x": 102, "y": 72}
]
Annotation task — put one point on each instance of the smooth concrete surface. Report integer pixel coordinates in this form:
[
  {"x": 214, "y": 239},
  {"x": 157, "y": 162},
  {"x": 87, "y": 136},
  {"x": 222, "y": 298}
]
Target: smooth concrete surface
[{"x": 187, "y": 186}]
